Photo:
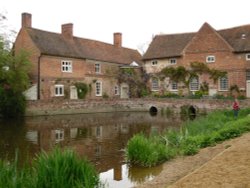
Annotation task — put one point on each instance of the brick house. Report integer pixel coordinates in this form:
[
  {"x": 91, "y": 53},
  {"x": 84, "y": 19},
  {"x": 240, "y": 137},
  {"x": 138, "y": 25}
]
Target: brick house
[
  {"x": 226, "y": 50},
  {"x": 60, "y": 60}
]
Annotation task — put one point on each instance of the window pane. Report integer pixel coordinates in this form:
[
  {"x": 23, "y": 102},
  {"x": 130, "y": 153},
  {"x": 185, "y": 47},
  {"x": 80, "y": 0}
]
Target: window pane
[{"x": 194, "y": 84}]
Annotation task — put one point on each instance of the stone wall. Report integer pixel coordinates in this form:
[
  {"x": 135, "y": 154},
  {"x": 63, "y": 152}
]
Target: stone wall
[{"x": 54, "y": 107}]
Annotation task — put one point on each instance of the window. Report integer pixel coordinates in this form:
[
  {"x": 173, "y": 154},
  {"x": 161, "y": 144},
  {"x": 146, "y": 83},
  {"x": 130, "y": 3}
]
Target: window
[
  {"x": 172, "y": 61},
  {"x": 98, "y": 89},
  {"x": 248, "y": 57},
  {"x": 194, "y": 84},
  {"x": 59, "y": 135},
  {"x": 223, "y": 81},
  {"x": 117, "y": 90},
  {"x": 59, "y": 90},
  {"x": 248, "y": 75},
  {"x": 97, "y": 68},
  {"x": 155, "y": 84},
  {"x": 154, "y": 63},
  {"x": 174, "y": 86},
  {"x": 210, "y": 59},
  {"x": 66, "y": 66}
]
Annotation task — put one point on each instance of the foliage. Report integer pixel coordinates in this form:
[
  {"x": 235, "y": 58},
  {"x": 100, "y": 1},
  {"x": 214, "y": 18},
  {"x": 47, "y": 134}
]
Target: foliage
[
  {"x": 234, "y": 88},
  {"x": 56, "y": 169},
  {"x": 82, "y": 89},
  {"x": 193, "y": 135},
  {"x": 64, "y": 169},
  {"x": 147, "y": 151},
  {"x": 13, "y": 81},
  {"x": 182, "y": 75},
  {"x": 135, "y": 80}
]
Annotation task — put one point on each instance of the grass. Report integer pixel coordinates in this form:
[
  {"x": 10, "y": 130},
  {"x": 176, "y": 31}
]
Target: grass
[
  {"x": 56, "y": 169},
  {"x": 189, "y": 139}
]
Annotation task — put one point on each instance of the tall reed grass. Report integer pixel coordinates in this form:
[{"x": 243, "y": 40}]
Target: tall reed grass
[
  {"x": 193, "y": 135},
  {"x": 58, "y": 169}
]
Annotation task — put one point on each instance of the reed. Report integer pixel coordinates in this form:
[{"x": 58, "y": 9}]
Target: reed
[
  {"x": 56, "y": 169},
  {"x": 193, "y": 135}
]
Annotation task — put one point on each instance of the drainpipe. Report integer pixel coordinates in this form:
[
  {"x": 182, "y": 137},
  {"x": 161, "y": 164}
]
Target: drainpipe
[{"x": 38, "y": 79}]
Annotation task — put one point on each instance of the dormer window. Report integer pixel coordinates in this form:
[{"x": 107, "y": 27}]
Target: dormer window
[
  {"x": 154, "y": 63},
  {"x": 210, "y": 59},
  {"x": 248, "y": 57},
  {"x": 173, "y": 61}
]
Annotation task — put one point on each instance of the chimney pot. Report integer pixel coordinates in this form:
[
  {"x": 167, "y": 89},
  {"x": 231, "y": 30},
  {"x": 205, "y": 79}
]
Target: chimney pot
[
  {"x": 26, "y": 20},
  {"x": 118, "y": 39},
  {"x": 67, "y": 30}
]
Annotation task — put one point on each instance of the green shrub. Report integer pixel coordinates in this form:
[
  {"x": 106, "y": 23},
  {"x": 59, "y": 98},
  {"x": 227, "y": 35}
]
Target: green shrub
[
  {"x": 64, "y": 169},
  {"x": 82, "y": 89}
]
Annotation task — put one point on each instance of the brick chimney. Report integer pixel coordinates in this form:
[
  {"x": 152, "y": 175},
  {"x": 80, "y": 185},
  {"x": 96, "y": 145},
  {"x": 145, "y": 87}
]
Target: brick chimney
[
  {"x": 67, "y": 30},
  {"x": 26, "y": 20},
  {"x": 118, "y": 39}
]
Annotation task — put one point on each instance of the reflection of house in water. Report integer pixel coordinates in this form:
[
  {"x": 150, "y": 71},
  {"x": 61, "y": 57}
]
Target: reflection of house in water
[{"x": 99, "y": 137}]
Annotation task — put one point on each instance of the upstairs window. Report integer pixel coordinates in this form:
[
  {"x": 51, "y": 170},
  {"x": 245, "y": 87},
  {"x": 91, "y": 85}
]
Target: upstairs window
[
  {"x": 210, "y": 59},
  {"x": 194, "y": 84},
  {"x": 173, "y": 61},
  {"x": 223, "y": 83},
  {"x": 154, "y": 63},
  {"x": 155, "y": 84},
  {"x": 97, "y": 68},
  {"x": 248, "y": 57},
  {"x": 59, "y": 90},
  {"x": 66, "y": 66}
]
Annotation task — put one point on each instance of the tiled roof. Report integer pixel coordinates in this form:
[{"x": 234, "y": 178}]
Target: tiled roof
[
  {"x": 167, "y": 45},
  {"x": 55, "y": 44},
  {"x": 172, "y": 45}
]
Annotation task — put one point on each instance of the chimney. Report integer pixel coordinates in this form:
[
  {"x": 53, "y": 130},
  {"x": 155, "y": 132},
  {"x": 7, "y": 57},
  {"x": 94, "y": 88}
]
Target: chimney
[
  {"x": 67, "y": 30},
  {"x": 118, "y": 39},
  {"x": 26, "y": 20}
]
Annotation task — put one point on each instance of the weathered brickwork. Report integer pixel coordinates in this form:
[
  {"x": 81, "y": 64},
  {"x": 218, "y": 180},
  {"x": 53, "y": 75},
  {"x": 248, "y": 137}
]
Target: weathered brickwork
[
  {"x": 229, "y": 55},
  {"x": 53, "y": 107}
]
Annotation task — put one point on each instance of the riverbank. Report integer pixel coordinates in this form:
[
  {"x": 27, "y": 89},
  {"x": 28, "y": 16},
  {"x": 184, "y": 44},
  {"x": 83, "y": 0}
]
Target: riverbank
[{"x": 225, "y": 165}]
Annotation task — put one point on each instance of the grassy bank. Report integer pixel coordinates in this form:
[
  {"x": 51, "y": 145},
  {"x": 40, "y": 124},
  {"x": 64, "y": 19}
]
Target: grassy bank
[
  {"x": 192, "y": 136},
  {"x": 56, "y": 169}
]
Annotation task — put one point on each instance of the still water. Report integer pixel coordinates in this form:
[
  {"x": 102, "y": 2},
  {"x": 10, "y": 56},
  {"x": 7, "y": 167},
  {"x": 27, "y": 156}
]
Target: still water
[{"x": 101, "y": 138}]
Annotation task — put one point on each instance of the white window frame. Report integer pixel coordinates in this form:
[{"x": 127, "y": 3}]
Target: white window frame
[
  {"x": 97, "y": 68},
  {"x": 66, "y": 66},
  {"x": 98, "y": 89},
  {"x": 59, "y": 135},
  {"x": 248, "y": 57},
  {"x": 155, "y": 84},
  {"x": 223, "y": 83},
  {"x": 59, "y": 90},
  {"x": 194, "y": 84},
  {"x": 173, "y": 86},
  {"x": 154, "y": 63},
  {"x": 117, "y": 90},
  {"x": 173, "y": 61},
  {"x": 210, "y": 59}
]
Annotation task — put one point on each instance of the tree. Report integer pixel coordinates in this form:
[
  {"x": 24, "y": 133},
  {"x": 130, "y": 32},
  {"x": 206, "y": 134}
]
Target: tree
[{"x": 14, "y": 80}]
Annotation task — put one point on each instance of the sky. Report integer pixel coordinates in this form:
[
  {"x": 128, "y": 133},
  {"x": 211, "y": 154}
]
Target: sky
[{"x": 137, "y": 20}]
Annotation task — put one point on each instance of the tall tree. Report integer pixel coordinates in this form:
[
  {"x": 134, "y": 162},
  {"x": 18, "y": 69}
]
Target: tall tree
[{"x": 14, "y": 78}]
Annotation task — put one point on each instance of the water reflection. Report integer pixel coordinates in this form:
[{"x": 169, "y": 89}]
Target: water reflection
[{"x": 99, "y": 137}]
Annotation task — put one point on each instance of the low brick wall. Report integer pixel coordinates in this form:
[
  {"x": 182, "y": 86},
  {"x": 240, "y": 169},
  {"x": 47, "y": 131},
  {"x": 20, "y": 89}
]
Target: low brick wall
[{"x": 53, "y": 107}]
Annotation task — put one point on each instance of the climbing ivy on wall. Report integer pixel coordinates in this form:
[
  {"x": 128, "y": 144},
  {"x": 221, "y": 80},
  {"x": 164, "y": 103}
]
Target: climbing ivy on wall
[{"x": 82, "y": 89}]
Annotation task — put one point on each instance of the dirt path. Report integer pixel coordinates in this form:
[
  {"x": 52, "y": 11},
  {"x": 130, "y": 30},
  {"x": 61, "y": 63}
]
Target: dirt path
[{"x": 226, "y": 165}]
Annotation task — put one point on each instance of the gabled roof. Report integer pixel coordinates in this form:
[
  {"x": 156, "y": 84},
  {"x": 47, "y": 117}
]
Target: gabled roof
[
  {"x": 55, "y": 44},
  {"x": 172, "y": 45},
  {"x": 167, "y": 45}
]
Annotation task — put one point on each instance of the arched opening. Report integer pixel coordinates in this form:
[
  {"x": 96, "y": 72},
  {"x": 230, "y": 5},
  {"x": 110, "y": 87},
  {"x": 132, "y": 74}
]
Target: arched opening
[
  {"x": 192, "y": 112},
  {"x": 153, "y": 110}
]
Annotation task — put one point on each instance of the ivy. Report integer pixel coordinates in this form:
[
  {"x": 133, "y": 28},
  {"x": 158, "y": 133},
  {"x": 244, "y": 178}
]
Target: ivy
[{"x": 82, "y": 89}]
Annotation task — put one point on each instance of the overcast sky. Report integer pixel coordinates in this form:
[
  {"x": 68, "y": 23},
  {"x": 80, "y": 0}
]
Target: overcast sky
[{"x": 137, "y": 20}]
